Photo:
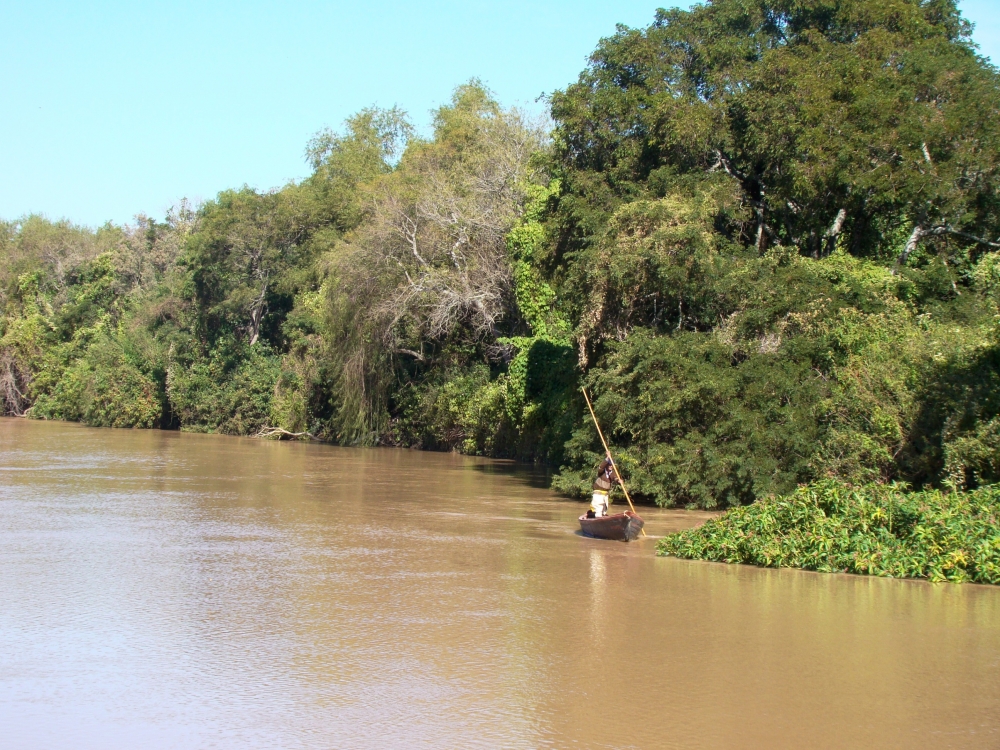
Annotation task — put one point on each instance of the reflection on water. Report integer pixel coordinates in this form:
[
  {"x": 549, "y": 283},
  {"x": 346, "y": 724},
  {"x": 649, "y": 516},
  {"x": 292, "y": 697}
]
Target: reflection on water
[{"x": 165, "y": 590}]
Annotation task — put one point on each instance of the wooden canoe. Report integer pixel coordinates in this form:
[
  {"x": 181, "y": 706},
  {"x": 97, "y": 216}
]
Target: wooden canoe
[{"x": 622, "y": 527}]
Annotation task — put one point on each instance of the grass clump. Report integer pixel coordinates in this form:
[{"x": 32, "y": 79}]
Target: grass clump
[{"x": 876, "y": 530}]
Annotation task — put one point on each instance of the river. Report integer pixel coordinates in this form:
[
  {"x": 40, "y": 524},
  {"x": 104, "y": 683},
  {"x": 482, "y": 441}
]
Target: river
[{"x": 167, "y": 590}]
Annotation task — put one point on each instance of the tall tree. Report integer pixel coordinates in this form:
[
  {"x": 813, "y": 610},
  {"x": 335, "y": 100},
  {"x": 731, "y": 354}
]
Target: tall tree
[
  {"x": 839, "y": 119},
  {"x": 429, "y": 257}
]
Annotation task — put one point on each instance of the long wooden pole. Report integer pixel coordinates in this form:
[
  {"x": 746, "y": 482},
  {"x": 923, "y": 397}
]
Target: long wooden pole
[{"x": 607, "y": 450}]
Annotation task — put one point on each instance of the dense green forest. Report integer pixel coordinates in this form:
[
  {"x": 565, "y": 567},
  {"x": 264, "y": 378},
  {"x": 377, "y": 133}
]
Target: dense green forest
[{"x": 762, "y": 233}]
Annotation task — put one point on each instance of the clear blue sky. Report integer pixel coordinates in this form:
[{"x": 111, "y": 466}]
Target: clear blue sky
[{"x": 108, "y": 109}]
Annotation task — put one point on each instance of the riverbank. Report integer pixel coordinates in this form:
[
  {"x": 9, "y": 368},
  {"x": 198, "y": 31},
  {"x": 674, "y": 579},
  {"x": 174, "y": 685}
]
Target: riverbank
[
  {"x": 875, "y": 530},
  {"x": 745, "y": 320}
]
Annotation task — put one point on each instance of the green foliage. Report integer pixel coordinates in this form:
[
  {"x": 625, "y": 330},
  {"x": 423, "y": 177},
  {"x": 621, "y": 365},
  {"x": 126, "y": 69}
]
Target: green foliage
[
  {"x": 880, "y": 110},
  {"x": 242, "y": 261},
  {"x": 230, "y": 391},
  {"x": 463, "y": 409},
  {"x": 300, "y": 398},
  {"x": 61, "y": 351},
  {"x": 954, "y": 439},
  {"x": 695, "y": 428},
  {"x": 875, "y": 529},
  {"x": 817, "y": 369},
  {"x": 536, "y": 299},
  {"x": 24, "y": 329},
  {"x": 521, "y": 412},
  {"x": 44, "y": 249},
  {"x": 103, "y": 389}
]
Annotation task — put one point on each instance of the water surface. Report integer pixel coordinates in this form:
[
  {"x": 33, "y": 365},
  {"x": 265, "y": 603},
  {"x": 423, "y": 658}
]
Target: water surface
[{"x": 164, "y": 590}]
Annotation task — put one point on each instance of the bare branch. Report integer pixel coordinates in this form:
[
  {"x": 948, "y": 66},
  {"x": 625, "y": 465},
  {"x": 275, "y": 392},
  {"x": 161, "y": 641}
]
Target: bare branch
[
  {"x": 919, "y": 233},
  {"x": 416, "y": 355},
  {"x": 727, "y": 166},
  {"x": 965, "y": 235},
  {"x": 277, "y": 433}
]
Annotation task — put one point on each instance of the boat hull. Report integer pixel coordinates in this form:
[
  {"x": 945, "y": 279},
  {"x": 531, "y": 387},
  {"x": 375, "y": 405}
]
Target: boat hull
[{"x": 622, "y": 527}]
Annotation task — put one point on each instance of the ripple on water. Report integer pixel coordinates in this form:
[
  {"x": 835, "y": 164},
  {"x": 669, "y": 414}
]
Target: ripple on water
[{"x": 164, "y": 590}]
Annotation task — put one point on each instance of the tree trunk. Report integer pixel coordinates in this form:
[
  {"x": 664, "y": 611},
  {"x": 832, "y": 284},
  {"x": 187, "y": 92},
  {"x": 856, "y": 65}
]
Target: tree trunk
[
  {"x": 911, "y": 245},
  {"x": 833, "y": 232},
  {"x": 257, "y": 310}
]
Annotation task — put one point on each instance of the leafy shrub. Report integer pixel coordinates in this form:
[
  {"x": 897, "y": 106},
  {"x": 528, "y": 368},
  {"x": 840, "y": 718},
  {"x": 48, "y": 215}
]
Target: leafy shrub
[
  {"x": 521, "y": 412},
  {"x": 103, "y": 389},
  {"x": 696, "y": 428},
  {"x": 228, "y": 392},
  {"x": 876, "y": 529},
  {"x": 461, "y": 409},
  {"x": 23, "y": 330}
]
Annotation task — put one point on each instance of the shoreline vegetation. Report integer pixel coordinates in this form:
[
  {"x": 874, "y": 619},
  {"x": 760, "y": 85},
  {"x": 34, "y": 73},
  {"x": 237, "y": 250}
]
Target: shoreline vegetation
[
  {"x": 763, "y": 234},
  {"x": 880, "y": 530}
]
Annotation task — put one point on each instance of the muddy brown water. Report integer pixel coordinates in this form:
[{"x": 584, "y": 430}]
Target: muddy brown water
[{"x": 164, "y": 590}]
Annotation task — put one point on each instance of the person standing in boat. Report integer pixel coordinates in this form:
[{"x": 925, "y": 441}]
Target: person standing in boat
[{"x": 606, "y": 479}]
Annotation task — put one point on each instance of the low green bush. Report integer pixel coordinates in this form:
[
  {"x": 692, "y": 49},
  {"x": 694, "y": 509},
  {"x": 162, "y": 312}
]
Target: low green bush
[
  {"x": 103, "y": 388},
  {"x": 876, "y": 529},
  {"x": 230, "y": 393}
]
